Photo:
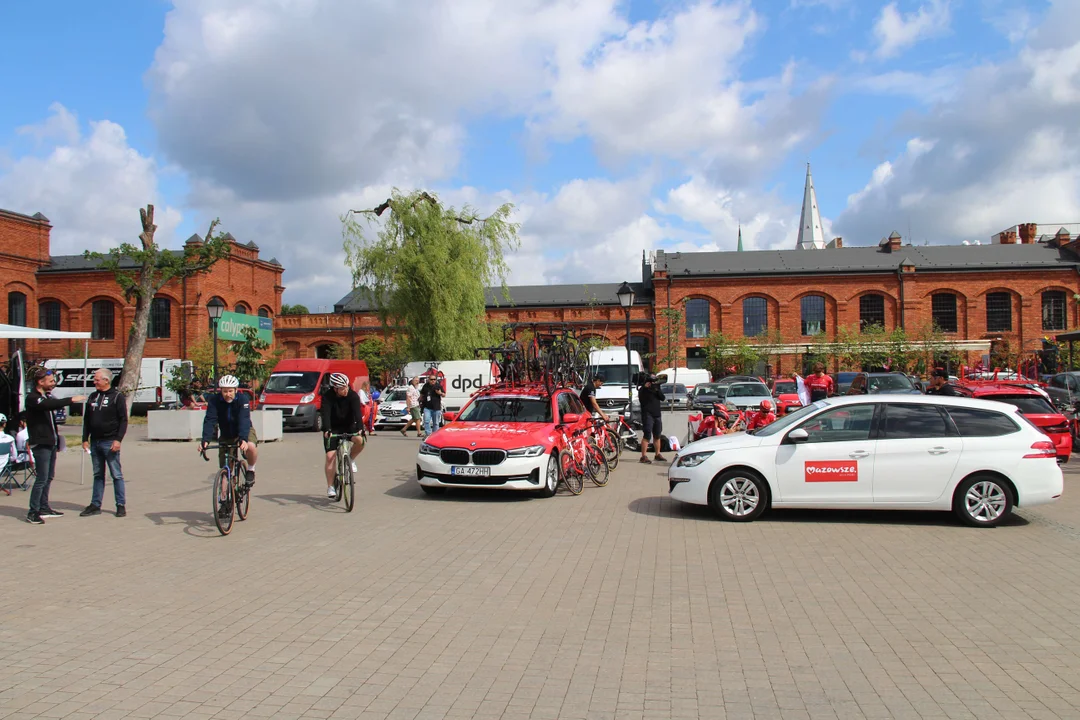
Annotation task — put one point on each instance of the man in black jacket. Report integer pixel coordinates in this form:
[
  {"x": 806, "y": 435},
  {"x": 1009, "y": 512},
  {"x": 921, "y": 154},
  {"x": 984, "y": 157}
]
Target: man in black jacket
[
  {"x": 104, "y": 426},
  {"x": 44, "y": 441},
  {"x": 650, "y": 398},
  {"x": 939, "y": 384}
]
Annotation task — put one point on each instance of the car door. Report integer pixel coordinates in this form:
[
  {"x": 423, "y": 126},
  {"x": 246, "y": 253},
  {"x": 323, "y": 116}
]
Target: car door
[
  {"x": 917, "y": 453},
  {"x": 834, "y": 465}
]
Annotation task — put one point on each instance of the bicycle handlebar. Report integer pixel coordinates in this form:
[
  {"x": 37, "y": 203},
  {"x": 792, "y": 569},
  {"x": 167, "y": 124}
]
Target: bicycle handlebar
[{"x": 227, "y": 446}]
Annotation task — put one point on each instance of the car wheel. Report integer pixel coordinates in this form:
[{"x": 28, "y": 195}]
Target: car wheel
[
  {"x": 429, "y": 490},
  {"x": 316, "y": 425},
  {"x": 738, "y": 496},
  {"x": 983, "y": 501},
  {"x": 551, "y": 476}
]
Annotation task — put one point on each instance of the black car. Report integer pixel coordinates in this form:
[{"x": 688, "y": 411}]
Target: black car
[{"x": 706, "y": 395}]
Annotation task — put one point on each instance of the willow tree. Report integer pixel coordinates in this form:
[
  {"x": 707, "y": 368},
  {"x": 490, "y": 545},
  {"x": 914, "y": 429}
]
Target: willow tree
[{"x": 427, "y": 267}]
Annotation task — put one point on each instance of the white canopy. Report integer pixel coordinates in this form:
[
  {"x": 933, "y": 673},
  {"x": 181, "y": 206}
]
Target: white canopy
[{"x": 17, "y": 332}]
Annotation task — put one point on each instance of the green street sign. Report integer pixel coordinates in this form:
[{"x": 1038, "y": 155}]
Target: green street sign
[{"x": 231, "y": 327}]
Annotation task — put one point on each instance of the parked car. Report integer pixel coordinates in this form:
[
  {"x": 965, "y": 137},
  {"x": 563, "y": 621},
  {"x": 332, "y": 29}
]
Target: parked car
[
  {"x": 843, "y": 381},
  {"x": 890, "y": 383},
  {"x": 706, "y": 395},
  {"x": 1036, "y": 408},
  {"x": 737, "y": 378},
  {"x": 745, "y": 395},
  {"x": 1064, "y": 388},
  {"x": 690, "y": 377},
  {"x": 978, "y": 458},
  {"x": 676, "y": 397},
  {"x": 786, "y": 393},
  {"x": 392, "y": 412}
]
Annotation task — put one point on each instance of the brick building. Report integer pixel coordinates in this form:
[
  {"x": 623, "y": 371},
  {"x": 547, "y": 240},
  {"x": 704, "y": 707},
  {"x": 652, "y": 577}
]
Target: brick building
[{"x": 67, "y": 292}]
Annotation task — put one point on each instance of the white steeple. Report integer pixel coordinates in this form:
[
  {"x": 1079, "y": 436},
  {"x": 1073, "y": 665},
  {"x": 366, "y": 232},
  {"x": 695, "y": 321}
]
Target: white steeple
[{"x": 811, "y": 236}]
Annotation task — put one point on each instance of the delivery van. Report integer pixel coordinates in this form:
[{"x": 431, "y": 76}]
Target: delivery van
[
  {"x": 295, "y": 387},
  {"x": 151, "y": 392},
  {"x": 461, "y": 378},
  {"x": 689, "y": 377}
]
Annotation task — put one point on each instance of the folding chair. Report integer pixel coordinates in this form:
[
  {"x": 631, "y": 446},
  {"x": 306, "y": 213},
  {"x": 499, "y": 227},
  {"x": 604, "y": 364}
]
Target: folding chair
[
  {"x": 7, "y": 477},
  {"x": 24, "y": 469}
]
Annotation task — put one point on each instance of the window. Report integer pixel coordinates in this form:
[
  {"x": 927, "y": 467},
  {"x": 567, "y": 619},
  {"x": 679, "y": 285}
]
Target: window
[
  {"x": 564, "y": 405},
  {"x": 914, "y": 421},
  {"x": 160, "y": 309},
  {"x": 242, "y": 309},
  {"x": 998, "y": 312},
  {"x": 813, "y": 315},
  {"x": 49, "y": 315},
  {"x": 849, "y": 423},
  {"x": 871, "y": 311},
  {"x": 1053, "y": 310},
  {"x": 755, "y": 316},
  {"x": 102, "y": 314},
  {"x": 16, "y": 309},
  {"x": 263, "y": 312},
  {"x": 576, "y": 405},
  {"x": 943, "y": 307},
  {"x": 1027, "y": 404},
  {"x": 639, "y": 344},
  {"x": 696, "y": 358},
  {"x": 697, "y": 318},
  {"x": 981, "y": 423}
]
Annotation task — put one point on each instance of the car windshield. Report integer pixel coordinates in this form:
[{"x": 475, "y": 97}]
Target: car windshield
[
  {"x": 395, "y": 396},
  {"x": 292, "y": 382},
  {"x": 790, "y": 419},
  {"x": 748, "y": 390},
  {"x": 706, "y": 390},
  {"x": 673, "y": 389},
  {"x": 1027, "y": 404},
  {"x": 786, "y": 388},
  {"x": 507, "y": 409},
  {"x": 890, "y": 382},
  {"x": 610, "y": 374}
]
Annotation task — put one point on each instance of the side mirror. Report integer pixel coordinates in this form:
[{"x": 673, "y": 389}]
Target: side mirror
[
  {"x": 570, "y": 418},
  {"x": 798, "y": 435},
  {"x": 450, "y": 416}
]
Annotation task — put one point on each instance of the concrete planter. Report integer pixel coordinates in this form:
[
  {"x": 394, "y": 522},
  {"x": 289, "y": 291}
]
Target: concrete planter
[{"x": 187, "y": 424}]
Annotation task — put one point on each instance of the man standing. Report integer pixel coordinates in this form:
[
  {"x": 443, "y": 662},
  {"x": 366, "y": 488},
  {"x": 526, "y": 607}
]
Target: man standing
[
  {"x": 431, "y": 396},
  {"x": 44, "y": 441},
  {"x": 939, "y": 384},
  {"x": 651, "y": 398},
  {"x": 104, "y": 427},
  {"x": 412, "y": 407},
  {"x": 819, "y": 384},
  {"x": 588, "y": 396}
]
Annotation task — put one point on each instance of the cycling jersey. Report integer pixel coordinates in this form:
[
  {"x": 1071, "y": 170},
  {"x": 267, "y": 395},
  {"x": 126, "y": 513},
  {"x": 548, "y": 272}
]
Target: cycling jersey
[
  {"x": 341, "y": 414},
  {"x": 760, "y": 419},
  {"x": 820, "y": 387}
]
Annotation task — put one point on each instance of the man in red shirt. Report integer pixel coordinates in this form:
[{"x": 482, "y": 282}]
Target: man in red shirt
[
  {"x": 819, "y": 384},
  {"x": 762, "y": 417}
]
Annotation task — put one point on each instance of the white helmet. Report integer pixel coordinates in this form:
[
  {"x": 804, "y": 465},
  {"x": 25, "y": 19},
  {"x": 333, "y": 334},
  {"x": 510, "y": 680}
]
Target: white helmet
[
  {"x": 3, "y": 420},
  {"x": 228, "y": 381},
  {"x": 339, "y": 380}
]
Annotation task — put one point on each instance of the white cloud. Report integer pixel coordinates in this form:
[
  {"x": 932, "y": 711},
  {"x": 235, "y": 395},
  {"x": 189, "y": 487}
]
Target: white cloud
[
  {"x": 929, "y": 87},
  {"x": 896, "y": 31},
  {"x": 90, "y": 187}
]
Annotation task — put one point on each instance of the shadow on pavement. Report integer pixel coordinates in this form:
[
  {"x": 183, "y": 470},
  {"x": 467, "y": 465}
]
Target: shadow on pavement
[
  {"x": 15, "y": 512},
  {"x": 196, "y": 524},
  {"x": 663, "y": 506},
  {"x": 409, "y": 489},
  {"x": 322, "y": 504}
]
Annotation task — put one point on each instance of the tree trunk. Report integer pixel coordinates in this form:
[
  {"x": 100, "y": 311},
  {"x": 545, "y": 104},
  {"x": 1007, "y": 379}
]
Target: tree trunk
[{"x": 129, "y": 378}]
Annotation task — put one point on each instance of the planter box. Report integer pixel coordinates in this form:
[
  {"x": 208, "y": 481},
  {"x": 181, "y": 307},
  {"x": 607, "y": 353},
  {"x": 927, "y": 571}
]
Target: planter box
[{"x": 187, "y": 424}]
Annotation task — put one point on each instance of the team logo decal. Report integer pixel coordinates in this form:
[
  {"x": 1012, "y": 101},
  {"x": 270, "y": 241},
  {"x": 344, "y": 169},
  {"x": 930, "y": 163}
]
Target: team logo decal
[{"x": 831, "y": 471}]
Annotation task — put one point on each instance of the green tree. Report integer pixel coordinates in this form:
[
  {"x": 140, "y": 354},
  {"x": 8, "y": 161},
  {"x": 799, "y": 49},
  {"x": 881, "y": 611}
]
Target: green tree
[
  {"x": 142, "y": 270},
  {"x": 294, "y": 309},
  {"x": 385, "y": 358},
  {"x": 252, "y": 365},
  {"x": 669, "y": 333},
  {"x": 428, "y": 269}
]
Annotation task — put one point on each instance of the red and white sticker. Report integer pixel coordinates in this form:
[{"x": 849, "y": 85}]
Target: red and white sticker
[{"x": 831, "y": 471}]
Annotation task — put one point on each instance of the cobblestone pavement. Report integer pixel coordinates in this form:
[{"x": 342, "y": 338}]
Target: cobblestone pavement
[{"x": 614, "y": 604}]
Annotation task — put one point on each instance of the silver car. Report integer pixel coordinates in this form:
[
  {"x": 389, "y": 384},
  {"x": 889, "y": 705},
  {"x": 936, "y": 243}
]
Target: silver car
[
  {"x": 746, "y": 395},
  {"x": 676, "y": 396}
]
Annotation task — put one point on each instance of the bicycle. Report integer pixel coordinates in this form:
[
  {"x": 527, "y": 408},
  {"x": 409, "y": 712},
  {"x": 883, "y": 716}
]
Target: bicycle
[
  {"x": 344, "y": 482},
  {"x": 580, "y": 457},
  {"x": 231, "y": 496},
  {"x": 607, "y": 440}
]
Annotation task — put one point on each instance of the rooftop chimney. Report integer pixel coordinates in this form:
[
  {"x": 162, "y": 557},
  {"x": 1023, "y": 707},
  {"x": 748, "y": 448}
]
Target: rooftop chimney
[
  {"x": 837, "y": 242},
  {"x": 1007, "y": 237},
  {"x": 891, "y": 243},
  {"x": 1028, "y": 233}
]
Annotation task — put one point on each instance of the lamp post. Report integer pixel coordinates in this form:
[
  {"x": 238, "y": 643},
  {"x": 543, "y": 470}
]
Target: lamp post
[
  {"x": 626, "y": 299},
  {"x": 215, "y": 307}
]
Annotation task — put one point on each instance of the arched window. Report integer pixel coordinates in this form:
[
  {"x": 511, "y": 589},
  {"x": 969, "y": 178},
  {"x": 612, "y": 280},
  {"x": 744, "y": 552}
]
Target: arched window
[
  {"x": 49, "y": 315},
  {"x": 998, "y": 312},
  {"x": 103, "y": 316},
  {"x": 16, "y": 308},
  {"x": 871, "y": 311},
  {"x": 241, "y": 308},
  {"x": 1053, "y": 310},
  {"x": 160, "y": 315},
  {"x": 943, "y": 310},
  {"x": 640, "y": 345},
  {"x": 813, "y": 315},
  {"x": 264, "y": 312},
  {"x": 697, "y": 318},
  {"x": 328, "y": 351},
  {"x": 755, "y": 316}
]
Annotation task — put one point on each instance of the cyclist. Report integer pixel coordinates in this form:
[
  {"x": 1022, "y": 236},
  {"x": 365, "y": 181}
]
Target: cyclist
[
  {"x": 232, "y": 416},
  {"x": 341, "y": 415},
  {"x": 762, "y": 417}
]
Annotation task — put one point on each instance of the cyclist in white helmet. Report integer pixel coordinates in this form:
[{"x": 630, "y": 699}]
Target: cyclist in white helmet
[
  {"x": 232, "y": 415},
  {"x": 341, "y": 415}
]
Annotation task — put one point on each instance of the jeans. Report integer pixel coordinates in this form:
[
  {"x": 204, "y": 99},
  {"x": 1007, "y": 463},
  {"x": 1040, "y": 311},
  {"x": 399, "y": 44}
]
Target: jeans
[
  {"x": 45, "y": 468},
  {"x": 102, "y": 454},
  {"x": 432, "y": 420}
]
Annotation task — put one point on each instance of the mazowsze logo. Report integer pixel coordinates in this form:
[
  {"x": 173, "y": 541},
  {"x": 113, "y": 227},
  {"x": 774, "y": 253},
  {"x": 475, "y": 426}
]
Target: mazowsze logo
[{"x": 831, "y": 471}]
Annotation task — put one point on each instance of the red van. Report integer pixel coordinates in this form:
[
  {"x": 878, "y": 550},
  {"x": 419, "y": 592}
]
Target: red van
[{"x": 296, "y": 387}]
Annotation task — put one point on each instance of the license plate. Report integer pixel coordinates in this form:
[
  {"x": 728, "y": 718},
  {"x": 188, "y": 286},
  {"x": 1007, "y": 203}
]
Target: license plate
[{"x": 471, "y": 471}]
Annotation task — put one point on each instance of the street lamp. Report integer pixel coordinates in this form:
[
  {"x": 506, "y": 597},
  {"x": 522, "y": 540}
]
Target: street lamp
[
  {"x": 215, "y": 307},
  {"x": 626, "y": 299}
]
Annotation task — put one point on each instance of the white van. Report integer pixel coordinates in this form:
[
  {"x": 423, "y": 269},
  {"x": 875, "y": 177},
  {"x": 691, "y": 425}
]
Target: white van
[
  {"x": 151, "y": 392},
  {"x": 686, "y": 376},
  {"x": 610, "y": 364},
  {"x": 463, "y": 378}
]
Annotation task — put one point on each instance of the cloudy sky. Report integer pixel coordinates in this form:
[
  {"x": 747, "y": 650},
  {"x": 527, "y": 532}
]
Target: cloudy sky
[{"x": 614, "y": 127}]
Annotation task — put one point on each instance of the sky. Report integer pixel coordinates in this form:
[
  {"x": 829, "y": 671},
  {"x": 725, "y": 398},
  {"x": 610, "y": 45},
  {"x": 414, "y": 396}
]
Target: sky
[{"x": 614, "y": 128}]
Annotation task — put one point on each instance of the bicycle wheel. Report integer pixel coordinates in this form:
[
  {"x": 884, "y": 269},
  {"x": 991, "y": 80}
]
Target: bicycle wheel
[
  {"x": 571, "y": 473},
  {"x": 347, "y": 487},
  {"x": 241, "y": 493},
  {"x": 224, "y": 507},
  {"x": 581, "y": 367},
  {"x": 610, "y": 446},
  {"x": 596, "y": 464}
]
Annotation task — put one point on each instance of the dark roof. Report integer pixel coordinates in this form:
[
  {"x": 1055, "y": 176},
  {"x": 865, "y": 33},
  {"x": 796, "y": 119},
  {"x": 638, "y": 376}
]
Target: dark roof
[
  {"x": 193, "y": 239},
  {"x": 524, "y": 296},
  {"x": 78, "y": 263},
  {"x": 251, "y": 244},
  {"x": 274, "y": 261},
  {"x": 38, "y": 217},
  {"x": 865, "y": 259}
]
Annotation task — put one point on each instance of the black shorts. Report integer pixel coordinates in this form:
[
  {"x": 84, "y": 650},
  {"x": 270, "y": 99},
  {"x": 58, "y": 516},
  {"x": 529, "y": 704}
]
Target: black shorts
[
  {"x": 331, "y": 444},
  {"x": 652, "y": 426}
]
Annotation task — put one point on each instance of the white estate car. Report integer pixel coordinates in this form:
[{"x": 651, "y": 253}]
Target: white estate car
[{"x": 975, "y": 457}]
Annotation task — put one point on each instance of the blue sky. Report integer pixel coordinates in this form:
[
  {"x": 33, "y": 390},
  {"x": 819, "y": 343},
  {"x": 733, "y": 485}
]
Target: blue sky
[{"x": 614, "y": 127}]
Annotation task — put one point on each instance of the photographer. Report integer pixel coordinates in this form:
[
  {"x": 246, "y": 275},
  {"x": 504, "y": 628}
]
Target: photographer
[{"x": 650, "y": 397}]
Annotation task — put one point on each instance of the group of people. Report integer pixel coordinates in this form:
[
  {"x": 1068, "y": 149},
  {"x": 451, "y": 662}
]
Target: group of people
[{"x": 423, "y": 402}]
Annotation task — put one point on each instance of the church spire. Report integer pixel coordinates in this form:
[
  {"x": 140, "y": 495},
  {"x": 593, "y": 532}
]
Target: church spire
[
  {"x": 811, "y": 234},
  {"x": 740, "y": 238}
]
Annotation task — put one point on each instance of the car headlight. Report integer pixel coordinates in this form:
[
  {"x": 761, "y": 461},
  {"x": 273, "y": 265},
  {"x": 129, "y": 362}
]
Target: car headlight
[
  {"x": 262, "y": 397},
  {"x": 310, "y": 397},
  {"x": 526, "y": 452},
  {"x": 426, "y": 449},
  {"x": 693, "y": 459}
]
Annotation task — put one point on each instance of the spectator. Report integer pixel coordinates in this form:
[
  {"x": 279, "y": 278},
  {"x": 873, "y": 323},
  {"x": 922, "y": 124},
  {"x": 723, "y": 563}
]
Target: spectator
[
  {"x": 819, "y": 384},
  {"x": 104, "y": 427},
  {"x": 375, "y": 395},
  {"x": 651, "y": 398},
  {"x": 365, "y": 405},
  {"x": 44, "y": 441},
  {"x": 11, "y": 455},
  {"x": 22, "y": 443},
  {"x": 939, "y": 384},
  {"x": 431, "y": 395},
  {"x": 412, "y": 407}
]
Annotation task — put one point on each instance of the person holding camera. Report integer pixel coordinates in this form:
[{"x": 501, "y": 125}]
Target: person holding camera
[{"x": 650, "y": 398}]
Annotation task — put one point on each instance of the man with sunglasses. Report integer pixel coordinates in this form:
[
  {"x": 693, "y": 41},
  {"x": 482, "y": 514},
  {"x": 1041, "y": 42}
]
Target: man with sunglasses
[{"x": 44, "y": 441}]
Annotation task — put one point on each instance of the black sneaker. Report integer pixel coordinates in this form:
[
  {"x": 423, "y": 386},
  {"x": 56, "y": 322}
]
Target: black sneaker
[
  {"x": 91, "y": 510},
  {"x": 50, "y": 513},
  {"x": 224, "y": 510},
  {"x": 34, "y": 519},
  {"x": 249, "y": 478},
  {"x": 121, "y": 511}
]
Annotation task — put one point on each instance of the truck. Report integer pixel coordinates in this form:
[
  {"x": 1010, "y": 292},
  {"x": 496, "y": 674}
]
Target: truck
[
  {"x": 461, "y": 378},
  {"x": 618, "y": 394},
  {"x": 151, "y": 392}
]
